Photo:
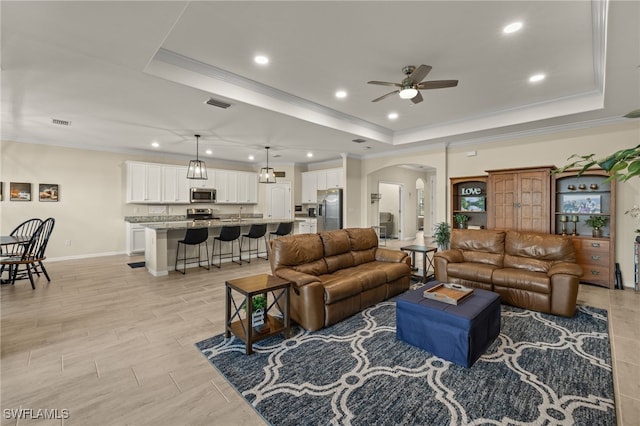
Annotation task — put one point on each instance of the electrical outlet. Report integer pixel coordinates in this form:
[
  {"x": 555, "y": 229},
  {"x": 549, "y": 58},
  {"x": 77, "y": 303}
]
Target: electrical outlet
[
  {"x": 135, "y": 210},
  {"x": 67, "y": 242}
]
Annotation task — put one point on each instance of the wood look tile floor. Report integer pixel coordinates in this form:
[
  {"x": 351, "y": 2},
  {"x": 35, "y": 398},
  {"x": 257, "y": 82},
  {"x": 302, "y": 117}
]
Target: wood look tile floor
[{"x": 115, "y": 346}]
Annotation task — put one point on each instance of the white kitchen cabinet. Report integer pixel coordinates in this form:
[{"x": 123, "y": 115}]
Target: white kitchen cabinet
[
  {"x": 144, "y": 183},
  {"x": 175, "y": 185},
  {"x": 135, "y": 238},
  {"x": 321, "y": 180},
  {"x": 247, "y": 188},
  {"x": 334, "y": 178},
  {"x": 309, "y": 187},
  {"x": 226, "y": 186},
  {"x": 308, "y": 226},
  {"x": 203, "y": 183}
]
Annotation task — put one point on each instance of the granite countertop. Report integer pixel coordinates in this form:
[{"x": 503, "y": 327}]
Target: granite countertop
[
  {"x": 217, "y": 223},
  {"x": 183, "y": 218}
]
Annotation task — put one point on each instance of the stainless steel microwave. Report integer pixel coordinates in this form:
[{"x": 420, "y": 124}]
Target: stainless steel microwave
[{"x": 203, "y": 195}]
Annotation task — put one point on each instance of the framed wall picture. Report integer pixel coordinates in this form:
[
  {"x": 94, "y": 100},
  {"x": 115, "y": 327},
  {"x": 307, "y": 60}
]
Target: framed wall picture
[
  {"x": 19, "y": 191},
  {"x": 581, "y": 203},
  {"x": 472, "y": 204},
  {"x": 48, "y": 192}
]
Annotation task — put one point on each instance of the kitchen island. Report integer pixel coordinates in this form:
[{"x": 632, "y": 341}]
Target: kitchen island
[{"x": 161, "y": 239}]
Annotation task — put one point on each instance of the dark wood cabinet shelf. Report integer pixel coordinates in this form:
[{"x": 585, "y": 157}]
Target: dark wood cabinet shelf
[
  {"x": 468, "y": 195},
  {"x": 595, "y": 255}
]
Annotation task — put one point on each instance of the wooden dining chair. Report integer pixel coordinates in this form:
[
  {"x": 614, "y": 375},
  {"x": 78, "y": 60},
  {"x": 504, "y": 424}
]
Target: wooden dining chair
[
  {"x": 26, "y": 229},
  {"x": 32, "y": 256}
]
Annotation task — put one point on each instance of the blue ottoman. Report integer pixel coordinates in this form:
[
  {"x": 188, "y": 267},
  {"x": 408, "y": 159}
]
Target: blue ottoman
[{"x": 458, "y": 333}]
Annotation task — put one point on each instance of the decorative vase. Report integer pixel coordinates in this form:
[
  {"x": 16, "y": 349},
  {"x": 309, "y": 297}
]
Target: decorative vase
[
  {"x": 462, "y": 225},
  {"x": 257, "y": 318},
  {"x": 596, "y": 233}
]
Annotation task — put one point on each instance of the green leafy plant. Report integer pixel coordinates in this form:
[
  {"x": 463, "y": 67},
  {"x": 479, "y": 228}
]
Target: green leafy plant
[
  {"x": 259, "y": 302},
  {"x": 596, "y": 221},
  {"x": 442, "y": 234},
  {"x": 461, "y": 218},
  {"x": 634, "y": 212},
  {"x": 621, "y": 165}
]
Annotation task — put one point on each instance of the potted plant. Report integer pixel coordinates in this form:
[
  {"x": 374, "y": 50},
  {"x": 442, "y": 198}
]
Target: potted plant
[
  {"x": 622, "y": 165},
  {"x": 442, "y": 235},
  {"x": 461, "y": 219},
  {"x": 596, "y": 222},
  {"x": 259, "y": 305},
  {"x": 634, "y": 212}
]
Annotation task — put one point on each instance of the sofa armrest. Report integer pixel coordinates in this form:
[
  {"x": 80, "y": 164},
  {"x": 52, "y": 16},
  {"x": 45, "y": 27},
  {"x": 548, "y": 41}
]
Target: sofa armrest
[
  {"x": 306, "y": 297},
  {"x": 565, "y": 268},
  {"x": 451, "y": 256},
  {"x": 298, "y": 279},
  {"x": 388, "y": 255}
]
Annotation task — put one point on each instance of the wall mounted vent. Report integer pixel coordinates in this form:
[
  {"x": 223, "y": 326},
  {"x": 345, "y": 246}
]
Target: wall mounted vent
[
  {"x": 217, "y": 103},
  {"x": 60, "y": 122}
]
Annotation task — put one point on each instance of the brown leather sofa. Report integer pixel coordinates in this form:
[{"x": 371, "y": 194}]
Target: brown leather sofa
[
  {"x": 529, "y": 270},
  {"x": 336, "y": 274}
]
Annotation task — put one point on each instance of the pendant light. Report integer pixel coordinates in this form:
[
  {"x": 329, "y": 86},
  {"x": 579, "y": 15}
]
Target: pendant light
[
  {"x": 197, "y": 169},
  {"x": 267, "y": 175}
]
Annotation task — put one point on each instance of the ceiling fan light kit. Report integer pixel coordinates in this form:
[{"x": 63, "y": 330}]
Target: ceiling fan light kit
[
  {"x": 197, "y": 169},
  {"x": 267, "y": 174},
  {"x": 412, "y": 84}
]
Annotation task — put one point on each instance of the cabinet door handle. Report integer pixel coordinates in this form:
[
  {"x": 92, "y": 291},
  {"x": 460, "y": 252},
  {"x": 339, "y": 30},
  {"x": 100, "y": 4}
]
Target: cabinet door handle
[
  {"x": 595, "y": 272},
  {"x": 595, "y": 257},
  {"x": 595, "y": 244}
]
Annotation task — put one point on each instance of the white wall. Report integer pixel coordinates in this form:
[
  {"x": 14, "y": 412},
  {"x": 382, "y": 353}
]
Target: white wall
[{"x": 90, "y": 213}]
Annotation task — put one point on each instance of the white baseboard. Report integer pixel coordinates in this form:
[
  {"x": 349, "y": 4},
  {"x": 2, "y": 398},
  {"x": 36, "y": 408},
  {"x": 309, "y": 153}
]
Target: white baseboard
[{"x": 83, "y": 256}]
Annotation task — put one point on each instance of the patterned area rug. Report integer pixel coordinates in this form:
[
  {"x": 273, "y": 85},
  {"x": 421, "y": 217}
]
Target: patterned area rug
[{"x": 542, "y": 370}]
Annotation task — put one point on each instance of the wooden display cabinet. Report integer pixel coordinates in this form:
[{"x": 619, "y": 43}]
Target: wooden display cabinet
[
  {"x": 469, "y": 196},
  {"x": 578, "y": 197},
  {"x": 519, "y": 199}
]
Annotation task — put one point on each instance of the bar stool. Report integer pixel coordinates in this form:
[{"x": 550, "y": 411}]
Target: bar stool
[
  {"x": 284, "y": 228},
  {"x": 193, "y": 237},
  {"x": 227, "y": 233},
  {"x": 256, "y": 232}
]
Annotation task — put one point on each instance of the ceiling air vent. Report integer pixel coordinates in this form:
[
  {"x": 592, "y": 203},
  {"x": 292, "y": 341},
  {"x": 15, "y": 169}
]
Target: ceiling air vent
[
  {"x": 60, "y": 122},
  {"x": 359, "y": 140},
  {"x": 217, "y": 103}
]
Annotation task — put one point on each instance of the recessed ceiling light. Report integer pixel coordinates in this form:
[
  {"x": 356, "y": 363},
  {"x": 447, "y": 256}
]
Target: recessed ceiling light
[
  {"x": 251, "y": 157},
  {"x": 155, "y": 144},
  {"x": 209, "y": 152},
  {"x": 512, "y": 28},
  {"x": 309, "y": 154},
  {"x": 392, "y": 115},
  {"x": 536, "y": 78},
  {"x": 261, "y": 60},
  {"x": 341, "y": 94}
]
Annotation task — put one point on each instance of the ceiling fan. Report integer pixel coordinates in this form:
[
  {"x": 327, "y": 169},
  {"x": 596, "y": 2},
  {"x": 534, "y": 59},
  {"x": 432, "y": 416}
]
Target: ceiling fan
[{"x": 412, "y": 83}]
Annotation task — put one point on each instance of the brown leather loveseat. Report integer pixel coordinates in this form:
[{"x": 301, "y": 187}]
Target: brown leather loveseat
[
  {"x": 336, "y": 274},
  {"x": 529, "y": 270}
]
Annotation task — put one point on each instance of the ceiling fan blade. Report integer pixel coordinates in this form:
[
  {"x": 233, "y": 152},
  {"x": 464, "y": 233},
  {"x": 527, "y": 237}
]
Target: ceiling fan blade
[
  {"x": 438, "y": 84},
  {"x": 417, "y": 98},
  {"x": 384, "y": 96},
  {"x": 420, "y": 73},
  {"x": 384, "y": 83}
]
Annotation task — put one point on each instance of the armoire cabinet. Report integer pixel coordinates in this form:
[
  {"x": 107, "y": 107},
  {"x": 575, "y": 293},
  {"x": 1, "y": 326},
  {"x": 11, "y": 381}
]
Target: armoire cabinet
[
  {"x": 577, "y": 198},
  {"x": 519, "y": 199}
]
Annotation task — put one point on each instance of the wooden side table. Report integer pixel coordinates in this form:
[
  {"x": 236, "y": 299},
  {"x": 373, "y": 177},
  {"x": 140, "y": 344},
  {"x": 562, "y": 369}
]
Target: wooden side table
[
  {"x": 249, "y": 287},
  {"x": 423, "y": 273}
]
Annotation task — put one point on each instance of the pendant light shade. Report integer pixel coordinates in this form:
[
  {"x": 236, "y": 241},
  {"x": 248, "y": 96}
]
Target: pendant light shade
[
  {"x": 197, "y": 169},
  {"x": 267, "y": 174}
]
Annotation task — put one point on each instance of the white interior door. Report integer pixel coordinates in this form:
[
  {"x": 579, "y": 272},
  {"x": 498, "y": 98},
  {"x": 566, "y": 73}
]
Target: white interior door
[{"x": 278, "y": 201}]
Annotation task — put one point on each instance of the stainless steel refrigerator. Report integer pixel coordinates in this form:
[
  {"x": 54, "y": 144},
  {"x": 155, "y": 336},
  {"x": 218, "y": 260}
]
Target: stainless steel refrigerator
[{"x": 329, "y": 209}]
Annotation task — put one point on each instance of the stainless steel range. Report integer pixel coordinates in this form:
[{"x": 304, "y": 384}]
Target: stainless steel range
[{"x": 200, "y": 214}]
